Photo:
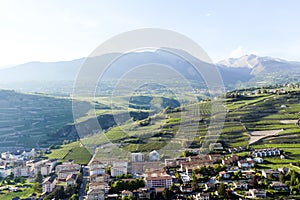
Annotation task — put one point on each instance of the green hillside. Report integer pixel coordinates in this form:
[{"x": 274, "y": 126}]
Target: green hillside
[
  {"x": 33, "y": 120},
  {"x": 257, "y": 120}
]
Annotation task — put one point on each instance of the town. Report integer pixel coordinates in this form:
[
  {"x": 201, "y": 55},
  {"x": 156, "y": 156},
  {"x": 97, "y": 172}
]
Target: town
[{"x": 217, "y": 175}]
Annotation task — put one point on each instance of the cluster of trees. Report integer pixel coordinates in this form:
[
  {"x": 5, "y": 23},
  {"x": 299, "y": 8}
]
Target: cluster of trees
[
  {"x": 292, "y": 180},
  {"x": 71, "y": 192},
  {"x": 12, "y": 180},
  {"x": 124, "y": 176},
  {"x": 208, "y": 170},
  {"x": 121, "y": 185}
]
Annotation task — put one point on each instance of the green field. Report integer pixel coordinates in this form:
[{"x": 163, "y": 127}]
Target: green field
[
  {"x": 73, "y": 151},
  {"x": 259, "y": 112}
]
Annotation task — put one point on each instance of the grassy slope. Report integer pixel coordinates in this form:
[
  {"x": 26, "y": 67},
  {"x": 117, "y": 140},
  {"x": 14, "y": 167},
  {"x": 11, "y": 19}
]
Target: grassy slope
[
  {"x": 73, "y": 151},
  {"x": 256, "y": 113}
]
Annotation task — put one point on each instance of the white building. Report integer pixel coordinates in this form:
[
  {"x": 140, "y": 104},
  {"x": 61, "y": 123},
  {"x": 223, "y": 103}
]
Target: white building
[
  {"x": 49, "y": 184},
  {"x": 23, "y": 171},
  {"x": 258, "y": 160},
  {"x": 119, "y": 168},
  {"x": 97, "y": 167},
  {"x": 248, "y": 163},
  {"x": 154, "y": 156},
  {"x": 137, "y": 157},
  {"x": 158, "y": 179},
  {"x": 202, "y": 196}
]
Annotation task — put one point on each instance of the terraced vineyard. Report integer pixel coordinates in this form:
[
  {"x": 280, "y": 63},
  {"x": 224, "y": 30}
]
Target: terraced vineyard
[
  {"x": 73, "y": 151},
  {"x": 260, "y": 119},
  {"x": 30, "y": 121}
]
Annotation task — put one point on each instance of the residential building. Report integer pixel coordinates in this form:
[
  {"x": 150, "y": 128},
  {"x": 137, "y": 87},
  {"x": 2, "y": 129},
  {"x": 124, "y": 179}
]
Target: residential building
[
  {"x": 99, "y": 178},
  {"x": 225, "y": 174},
  {"x": 257, "y": 193},
  {"x": 258, "y": 160},
  {"x": 137, "y": 157},
  {"x": 270, "y": 172},
  {"x": 140, "y": 167},
  {"x": 67, "y": 168},
  {"x": 248, "y": 163},
  {"x": 23, "y": 171},
  {"x": 71, "y": 179},
  {"x": 49, "y": 184},
  {"x": 230, "y": 160},
  {"x": 154, "y": 156},
  {"x": 126, "y": 193},
  {"x": 276, "y": 185},
  {"x": 157, "y": 178},
  {"x": 119, "y": 168},
  {"x": 202, "y": 196},
  {"x": 96, "y": 194},
  {"x": 243, "y": 185}
]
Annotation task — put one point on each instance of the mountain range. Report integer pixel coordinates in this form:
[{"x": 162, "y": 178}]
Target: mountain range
[{"x": 248, "y": 70}]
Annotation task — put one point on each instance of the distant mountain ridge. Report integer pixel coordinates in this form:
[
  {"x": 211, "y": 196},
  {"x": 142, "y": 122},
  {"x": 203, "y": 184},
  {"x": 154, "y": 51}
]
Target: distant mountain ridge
[
  {"x": 264, "y": 70},
  {"x": 248, "y": 70}
]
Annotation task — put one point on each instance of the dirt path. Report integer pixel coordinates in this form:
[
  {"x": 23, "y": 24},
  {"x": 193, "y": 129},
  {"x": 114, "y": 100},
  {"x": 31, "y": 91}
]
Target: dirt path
[{"x": 255, "y": 136}]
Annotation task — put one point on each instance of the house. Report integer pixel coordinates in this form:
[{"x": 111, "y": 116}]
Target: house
[
  {"x": 257, "y": 193},
  {"x": 99, "y": 178},
  {"x": 284, "y": 170},
  {"x": 215, "y": 157},
  {"x": 243, "y": 185},
  {"x": 5, "y": 171},
  {"x": 62, "y": 175},
  {"x": 49, "y": 184},
  {"x": 158, "y": 178},
  {"x": 276, "y": 185},
  {"x": 22, "y": 170},
  {"x": 67, "y": 168},
  {"x": 154, "y": 156},
  {"x": 198, "y": 158},
  {"x": 137, "y": 157},
  {"x": 216, "y": 146},
  {"x": 247, "y": 174},
  {"x": 230, "y": 160},
  {"x": 95, "y": 194},
  {"x": 258, "y": 160},
  {"x": 270, "y": 172},
  {"x": 202, "y": 196},
  {"x": 119, "y": 168},
  {"x": 52, "y": 164},
  {"x": 185, "y": 178},
  {"x": 248, "y": 163},
  {"x": 99, "y": 185},
  {"x": 97, "y": 167},
  {"x": 97, "y": 171},
  {"x": 170, "y": 162},
  {"x": 266, "y": 152},
  {"x": 179, "y": 161},
  {"x": 186, "y": 188},
  {"x": 224, "y": 175},
  {"x": 71, "y": 179},
  {"x": 126, "y": 193},
  {"x": 143, "y": 193}
]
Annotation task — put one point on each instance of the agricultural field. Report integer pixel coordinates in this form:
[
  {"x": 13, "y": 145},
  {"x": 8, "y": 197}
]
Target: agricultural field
[
  {"x": 73, "y": 151},
  {"x": 259, "y": 119},
  {"x": 32, "y": 120}
]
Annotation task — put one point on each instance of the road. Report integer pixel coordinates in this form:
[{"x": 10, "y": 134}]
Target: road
[{"x": 82, "y": 194}]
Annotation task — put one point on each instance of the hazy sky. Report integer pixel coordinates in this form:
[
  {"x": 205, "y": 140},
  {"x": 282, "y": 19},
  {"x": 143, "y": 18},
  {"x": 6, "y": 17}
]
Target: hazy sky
[{"x": 53, "y": 30}]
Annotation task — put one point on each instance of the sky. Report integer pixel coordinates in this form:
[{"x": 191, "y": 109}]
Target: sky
[{"x": 55, "y": 30}]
